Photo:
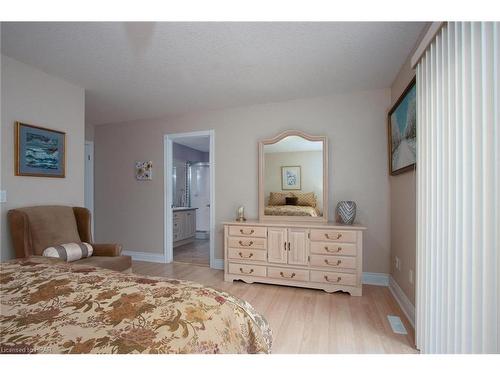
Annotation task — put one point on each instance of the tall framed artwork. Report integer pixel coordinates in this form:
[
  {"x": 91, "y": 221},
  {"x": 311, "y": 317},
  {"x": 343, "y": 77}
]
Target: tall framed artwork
[
  {"x": 39, "y": 152},
  {"x": 402, "y": 129}
]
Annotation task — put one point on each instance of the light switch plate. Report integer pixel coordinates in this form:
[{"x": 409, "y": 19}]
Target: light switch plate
[{"x": 3, "y": 196}]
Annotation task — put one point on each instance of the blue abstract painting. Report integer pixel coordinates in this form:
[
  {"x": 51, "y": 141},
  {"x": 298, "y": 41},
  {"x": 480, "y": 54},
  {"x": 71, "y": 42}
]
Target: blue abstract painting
[{"x": 40, "y": 151}]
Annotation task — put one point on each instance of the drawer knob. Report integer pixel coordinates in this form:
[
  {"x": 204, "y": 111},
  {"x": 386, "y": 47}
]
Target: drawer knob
[
  {"x": 251, "y": 271},
  {"x": 327, "y": 235},
  {"x": 248, "y": 244},
  {"x": 287, "y": 277},
  {"x": 249, "y": 256},
  {"x": 333, "y": 250},
  {"x": 333, "y": 264},
  {"x": 248, "y": 233},
  {"x": 333, "y": 281}
]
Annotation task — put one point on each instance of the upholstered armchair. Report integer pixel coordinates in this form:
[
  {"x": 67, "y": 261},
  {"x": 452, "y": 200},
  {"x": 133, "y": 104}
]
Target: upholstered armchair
[{"x": 33, "y": 229}]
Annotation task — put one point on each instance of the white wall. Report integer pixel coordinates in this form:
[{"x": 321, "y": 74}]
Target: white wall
[
  {"x": 311, "y": 163},
  {"x": 34, "y": 97},
  {"x": 131, "y": 212}
]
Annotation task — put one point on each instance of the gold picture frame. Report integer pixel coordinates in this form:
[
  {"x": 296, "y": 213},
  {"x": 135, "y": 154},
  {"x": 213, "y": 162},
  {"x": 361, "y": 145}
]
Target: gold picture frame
[{"x": 41, "y": 153}]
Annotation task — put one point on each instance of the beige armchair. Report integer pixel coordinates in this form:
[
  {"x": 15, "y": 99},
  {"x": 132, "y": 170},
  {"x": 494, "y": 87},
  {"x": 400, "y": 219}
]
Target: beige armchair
[{"x": 33, "y": 229}]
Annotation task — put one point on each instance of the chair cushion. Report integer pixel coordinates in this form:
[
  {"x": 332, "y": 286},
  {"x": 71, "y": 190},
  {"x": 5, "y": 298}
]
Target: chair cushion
[
  {"x": 118, "y": 263},
  {"x": 69, "y": 252},
  {"x": 51, "y": 225}
]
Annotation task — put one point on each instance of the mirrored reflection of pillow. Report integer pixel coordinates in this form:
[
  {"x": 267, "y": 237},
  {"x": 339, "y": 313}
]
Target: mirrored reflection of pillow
[
  {"x": 277, "y": 198},
  {"x": 306, "y": 199},
  {"x": 69, "y": 252},
  {"x": 291, "y": 201}
]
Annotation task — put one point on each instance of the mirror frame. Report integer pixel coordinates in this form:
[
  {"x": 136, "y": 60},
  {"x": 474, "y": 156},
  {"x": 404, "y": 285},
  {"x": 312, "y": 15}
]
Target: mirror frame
[{"x": 279, "y": 137}]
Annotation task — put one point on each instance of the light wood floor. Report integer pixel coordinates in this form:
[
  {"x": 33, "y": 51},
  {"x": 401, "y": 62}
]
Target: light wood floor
[
  {"x": 307, "y": 320},
  {"x": 196, "y": 252}
]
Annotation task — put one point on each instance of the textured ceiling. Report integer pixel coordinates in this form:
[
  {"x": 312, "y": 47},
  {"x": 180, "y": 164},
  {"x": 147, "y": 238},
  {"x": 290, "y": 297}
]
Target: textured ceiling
[{"x": 146, "y": 70}]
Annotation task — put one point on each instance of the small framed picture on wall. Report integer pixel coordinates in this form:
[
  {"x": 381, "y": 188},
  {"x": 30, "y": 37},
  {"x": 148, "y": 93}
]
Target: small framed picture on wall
[
  {"x": 290, "y": 178},
  {"x": 144, "y": 170}
]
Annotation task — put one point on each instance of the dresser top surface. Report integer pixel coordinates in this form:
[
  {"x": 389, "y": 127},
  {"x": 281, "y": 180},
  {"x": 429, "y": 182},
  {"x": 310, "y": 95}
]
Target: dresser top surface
[{"x": 296, "y": 224}]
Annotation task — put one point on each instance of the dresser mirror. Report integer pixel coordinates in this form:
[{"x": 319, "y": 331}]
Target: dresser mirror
[{"x": 293, "y": 177}]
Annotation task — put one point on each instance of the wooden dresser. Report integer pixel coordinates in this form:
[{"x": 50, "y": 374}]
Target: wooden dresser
[{"x": 324, "y": 256}]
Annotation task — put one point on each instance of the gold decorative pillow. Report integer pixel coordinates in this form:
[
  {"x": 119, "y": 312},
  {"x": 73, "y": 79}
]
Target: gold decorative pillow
[
  {"x": 306, "y": 199},
  {"x": 277, "y": 199}
]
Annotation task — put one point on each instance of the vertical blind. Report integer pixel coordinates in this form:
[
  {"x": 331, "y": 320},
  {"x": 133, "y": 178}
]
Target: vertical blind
[{"x": 458, "y": 167}]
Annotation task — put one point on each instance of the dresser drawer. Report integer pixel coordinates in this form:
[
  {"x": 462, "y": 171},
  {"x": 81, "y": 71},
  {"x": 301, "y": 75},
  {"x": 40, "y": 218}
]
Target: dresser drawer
[
  {"x": 247, "y": 243},
  {"x": 245, "y": 254},
  {"x": 236, "y": 230},
  {"x": 248, "y": 270},
  {"x": 288, "y": 274},
  {"x": 329, "y": 248},
  {"x": 333, "y": 278},
  {"x": 333, "y": 235},
  {"x": 333, "y": 261}
]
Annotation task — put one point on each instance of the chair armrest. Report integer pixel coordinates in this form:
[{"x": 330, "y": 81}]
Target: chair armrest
[{"x": 107, "y": 249}]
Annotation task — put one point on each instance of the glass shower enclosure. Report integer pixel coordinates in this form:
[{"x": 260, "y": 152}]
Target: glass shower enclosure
[{"x": 191, "y": 181}]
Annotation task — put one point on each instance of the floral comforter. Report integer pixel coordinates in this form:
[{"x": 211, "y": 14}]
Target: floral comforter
[
  {"x": 289, "y": 210},
  {"x": 53, "y": 307}
]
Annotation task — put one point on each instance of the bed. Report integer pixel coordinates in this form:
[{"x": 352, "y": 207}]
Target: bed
[
  {"x": 49, "y": 306},
  {"x": 289, "y": 210}
]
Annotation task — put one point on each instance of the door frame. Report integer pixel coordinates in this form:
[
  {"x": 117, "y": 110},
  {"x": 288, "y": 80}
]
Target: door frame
[
  {"x": 89, "y": 182},
  {"x": 168, "y": 139}
]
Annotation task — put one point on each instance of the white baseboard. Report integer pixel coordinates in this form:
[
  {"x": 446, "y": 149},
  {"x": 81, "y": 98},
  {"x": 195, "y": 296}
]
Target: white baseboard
[
  {"x": 159, "y": 258},
  {"x": 402, "y": 300},
  {"x": 217, "y": 264},
  {"x": 374, "y": 278},
  {"x": 145, "y": 257}
]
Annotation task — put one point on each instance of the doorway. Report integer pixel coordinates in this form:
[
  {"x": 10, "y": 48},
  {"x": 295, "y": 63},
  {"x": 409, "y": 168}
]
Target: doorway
[
  {"x": 189, "y": 198},
  {"x": 89, "y": 179}
]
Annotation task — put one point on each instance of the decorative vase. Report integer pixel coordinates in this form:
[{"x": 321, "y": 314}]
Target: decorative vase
[
  {"x": 346, "y": 211},
  {"x": 241, "y": 214}
]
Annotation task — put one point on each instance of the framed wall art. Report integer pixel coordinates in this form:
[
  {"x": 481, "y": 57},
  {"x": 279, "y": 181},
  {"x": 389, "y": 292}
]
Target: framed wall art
[
  {"x": 402, "y": 131},
  {"x": 144, "y": 170},
  {"x": 39, "y": 152},
  {"x": 290, "y": 178}
]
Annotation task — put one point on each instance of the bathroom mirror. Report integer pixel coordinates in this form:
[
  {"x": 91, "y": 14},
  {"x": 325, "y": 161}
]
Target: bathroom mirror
[{"x": 293, "y": 177}]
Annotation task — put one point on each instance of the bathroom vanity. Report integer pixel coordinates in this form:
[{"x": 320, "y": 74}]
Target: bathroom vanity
[{"x": 184, "y": 221}]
